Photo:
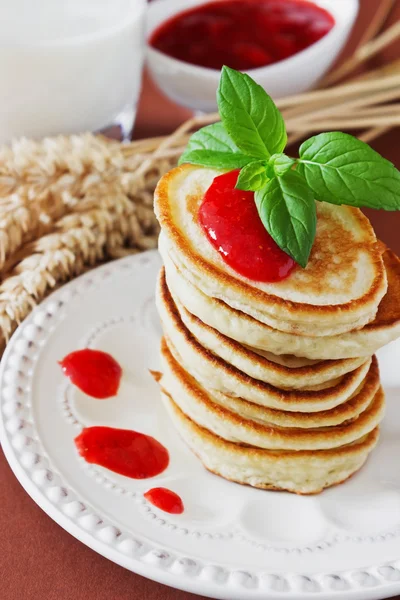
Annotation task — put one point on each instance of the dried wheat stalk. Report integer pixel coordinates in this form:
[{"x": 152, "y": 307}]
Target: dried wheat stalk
[
  {"x": 96, "y": 209},
  {"x": 42, "y": 182},
  {"x": 380, "y": 17}
]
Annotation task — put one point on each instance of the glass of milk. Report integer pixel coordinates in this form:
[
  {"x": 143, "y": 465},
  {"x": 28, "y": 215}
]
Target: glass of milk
[{"x": 69, "y": 66}]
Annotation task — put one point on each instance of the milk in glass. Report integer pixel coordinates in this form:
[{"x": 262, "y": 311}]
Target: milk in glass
[{"x": 68, "y": 66}]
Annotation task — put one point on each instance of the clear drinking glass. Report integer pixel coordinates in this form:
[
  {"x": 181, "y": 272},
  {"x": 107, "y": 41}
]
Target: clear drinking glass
[{"x": 69, "y": 66}]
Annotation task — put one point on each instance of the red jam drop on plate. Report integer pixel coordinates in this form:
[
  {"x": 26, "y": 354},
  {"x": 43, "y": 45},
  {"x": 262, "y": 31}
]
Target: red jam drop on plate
[
  {"x": 165, "y": 500},
  {"x": 232, "y": 224},
  {"x": 242, "y": 34},
  {"x": 123, "y": 451},
  {"x": 94, "y": 372}
]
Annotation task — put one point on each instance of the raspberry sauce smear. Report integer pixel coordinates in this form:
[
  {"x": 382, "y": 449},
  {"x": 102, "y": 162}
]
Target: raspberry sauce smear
[
  {"x": 230, "y": 219},
  {"x": 123, "y": 451},
  {"x": 94, "y": 372},
  {"x": 165, "y": 500}
]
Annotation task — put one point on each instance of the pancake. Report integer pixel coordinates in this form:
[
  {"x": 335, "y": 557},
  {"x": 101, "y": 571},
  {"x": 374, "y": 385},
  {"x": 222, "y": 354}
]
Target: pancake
[
  {"x": 215, "y": 373},
  {"x": 339, "y": 290},
  {"x": 286, "y": 372},
  {"x": 301, "y": 472},
  {"x": 180, "y": 384},
  {"x": 292, "y": 327},
  {"x": 241, "y": 327},
  {"x": 198, "y": 405}
]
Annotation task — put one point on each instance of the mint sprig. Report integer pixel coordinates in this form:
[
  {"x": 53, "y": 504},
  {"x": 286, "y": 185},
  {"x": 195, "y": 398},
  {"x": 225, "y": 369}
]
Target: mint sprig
[
  {"x": 249, "y": 115},
  {"x": 253, "y": 176},
  {"x": 287, "y": 209},
  {"x": 341, "y": 169},
  {"x": 332, "y": 167},
  {"x": 212, "y": 147}
]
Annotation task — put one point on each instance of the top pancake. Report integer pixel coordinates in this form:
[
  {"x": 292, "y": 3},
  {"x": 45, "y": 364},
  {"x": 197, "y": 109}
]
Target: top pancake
[
  {"x": 238, "y": 326},
  {"x": 339, "y": 290}
]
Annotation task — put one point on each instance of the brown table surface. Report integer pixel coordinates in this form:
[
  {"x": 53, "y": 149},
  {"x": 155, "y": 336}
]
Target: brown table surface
[{"x": 38, "y": 559}]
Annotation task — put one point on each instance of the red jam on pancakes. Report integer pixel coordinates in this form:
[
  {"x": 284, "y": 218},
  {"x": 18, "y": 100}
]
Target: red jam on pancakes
[
  {"x": 94, "y": 372},
  {"x": 165, "y": 500},
  {"x": 242, "y": 34},
  {"x": 123, "y": 451},
  {"x": 231, "y": 222}
]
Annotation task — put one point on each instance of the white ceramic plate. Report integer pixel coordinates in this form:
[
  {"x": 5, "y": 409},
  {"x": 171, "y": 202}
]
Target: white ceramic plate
[{"x": 231, "y": 542}]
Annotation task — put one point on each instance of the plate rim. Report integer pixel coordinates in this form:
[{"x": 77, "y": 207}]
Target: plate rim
[{"x": 238, "y": 588}]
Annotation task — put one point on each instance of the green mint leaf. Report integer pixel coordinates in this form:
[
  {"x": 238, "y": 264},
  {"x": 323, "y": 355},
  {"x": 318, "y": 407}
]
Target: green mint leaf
[
  {"x": 213, "y": 147},
  {"x": 249, "y": 115},
  {"x": 253, "y": 176},
  {"x": 280, "y": 164},
  {"x": 287, "y": 209},
  {"x": 341, "y": 169}
]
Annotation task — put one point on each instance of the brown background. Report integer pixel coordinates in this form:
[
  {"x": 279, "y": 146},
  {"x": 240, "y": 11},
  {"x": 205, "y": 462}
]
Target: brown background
[{"x": 38, "y": 559}]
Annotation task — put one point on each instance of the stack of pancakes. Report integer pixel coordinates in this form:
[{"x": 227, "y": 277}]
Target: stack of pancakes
[{"x": 274, "y": 385}]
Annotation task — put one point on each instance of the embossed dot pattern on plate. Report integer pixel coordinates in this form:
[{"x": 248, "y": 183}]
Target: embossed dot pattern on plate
[{"x": 231, "y": 541}]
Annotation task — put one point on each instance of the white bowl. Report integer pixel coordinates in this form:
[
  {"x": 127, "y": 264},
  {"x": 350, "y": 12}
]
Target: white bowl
[{"x": 195, "y": 87}]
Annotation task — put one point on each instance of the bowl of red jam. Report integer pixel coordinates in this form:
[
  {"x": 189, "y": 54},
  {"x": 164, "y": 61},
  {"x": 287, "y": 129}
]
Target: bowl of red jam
[{"x": 286, "y": 45}]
